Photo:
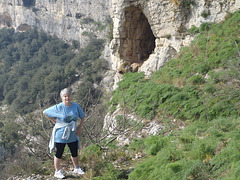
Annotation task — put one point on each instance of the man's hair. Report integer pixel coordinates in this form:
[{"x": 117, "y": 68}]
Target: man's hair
[{"x": 65, "y": 91}]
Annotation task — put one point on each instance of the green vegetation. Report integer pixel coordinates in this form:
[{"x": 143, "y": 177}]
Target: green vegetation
[
  {"x": 200, "y": 88},
  {"x": 194, "y": 96},
  {"x": 183, "y": 4},
  {"x": 204, "y": 14},
  {"x": 34, "y": 67},
  {"x": 186, "y": 3}
]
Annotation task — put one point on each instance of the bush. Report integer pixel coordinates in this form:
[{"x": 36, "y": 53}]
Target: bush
[
  {"x": 205, "y": 27},
  {"x": 193, "y": 30},
  {"x": 207, "y": 147},
  {"x": 30, "y": 72},
  {"x": 154, "y": 144},
  {"x": 110, "y": 32},
  {"x": 196, "y": 79},
  {"x": 209, "y": 88},
  {"x": 204, "y": 14},
  {"x": 137, "y": 145}
]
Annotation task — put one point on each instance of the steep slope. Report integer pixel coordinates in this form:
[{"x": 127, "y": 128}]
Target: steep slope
[
  {"x": 195, "y": 97},
  {"x": 69, "y": 20},
  {"x": 146, "y": 34}
]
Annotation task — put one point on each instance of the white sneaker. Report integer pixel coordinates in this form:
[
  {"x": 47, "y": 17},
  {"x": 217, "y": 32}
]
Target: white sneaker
[
  {"x": 58, "y": 174},
  {"x": 78, "y": 171}
]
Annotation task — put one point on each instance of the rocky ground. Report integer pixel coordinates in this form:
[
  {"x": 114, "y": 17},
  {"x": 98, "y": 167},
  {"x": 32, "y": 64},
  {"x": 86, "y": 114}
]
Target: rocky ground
[
  {"x": 67, "y": 172},
  {"x": 68, "y": 175}
]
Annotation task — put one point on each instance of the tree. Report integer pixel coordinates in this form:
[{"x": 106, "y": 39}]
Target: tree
[{"x": 103, "y": 133}]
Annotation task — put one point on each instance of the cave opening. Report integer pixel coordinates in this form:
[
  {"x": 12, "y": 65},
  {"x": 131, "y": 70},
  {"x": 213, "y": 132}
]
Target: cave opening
[{"x": 137, "y": 39}]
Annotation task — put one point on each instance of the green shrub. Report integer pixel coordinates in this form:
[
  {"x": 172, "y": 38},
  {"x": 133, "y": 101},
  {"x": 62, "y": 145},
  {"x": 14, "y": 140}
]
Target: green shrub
[
  {"x": 175, "y": 166},
  {"x": 185, "y": 4},
  {"x": 168, "y": 36},
  {"x": 195, "y": 169},
  {"x": 202, "y": 68},
  {"x": 208, "y": 146},
  {"x": 196, "y": 79},
  {"x": 204, "y": 14},
  {"x": 193, "y": 30},
  {"x": 85, "y": 33},
  {"x": 110, "y": 173},
  {"x": 110, "y": 32},
  {"x": 209, "y": 88},
  {"x": 137, "y": 145},
  {"x": 205, "y": 27},
  {"x": 154, "y": 144}
]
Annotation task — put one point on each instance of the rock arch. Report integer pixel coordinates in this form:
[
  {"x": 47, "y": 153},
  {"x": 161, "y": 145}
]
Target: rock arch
[{"x": 137, "y": 41}]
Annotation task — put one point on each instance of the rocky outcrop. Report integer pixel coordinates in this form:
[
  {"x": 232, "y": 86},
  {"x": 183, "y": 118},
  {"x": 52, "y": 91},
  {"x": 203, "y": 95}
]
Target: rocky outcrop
[
  {"x": 67, "y": 19},
  {"x": 148, "y": 33},
  {"x": 151, "y": 32}
]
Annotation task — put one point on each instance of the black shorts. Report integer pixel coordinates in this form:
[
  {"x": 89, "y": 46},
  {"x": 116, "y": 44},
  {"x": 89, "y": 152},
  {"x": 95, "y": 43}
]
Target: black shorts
[{"x": 72, "y": 146}]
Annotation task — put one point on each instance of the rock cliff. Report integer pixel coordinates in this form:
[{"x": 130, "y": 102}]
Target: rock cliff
[
  {"x": 148, "y": 33},
  {"x": 67, "y": 19}
]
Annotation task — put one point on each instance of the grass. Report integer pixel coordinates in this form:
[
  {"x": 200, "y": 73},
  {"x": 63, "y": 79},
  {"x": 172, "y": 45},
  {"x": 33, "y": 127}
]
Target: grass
[{"x": 201, "y": 88}]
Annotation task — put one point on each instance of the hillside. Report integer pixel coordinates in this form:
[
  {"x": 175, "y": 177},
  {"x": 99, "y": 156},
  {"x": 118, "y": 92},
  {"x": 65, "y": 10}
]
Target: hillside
[
  {"x": 34, "y": 67},
  {"x": 195, "y": 97}
]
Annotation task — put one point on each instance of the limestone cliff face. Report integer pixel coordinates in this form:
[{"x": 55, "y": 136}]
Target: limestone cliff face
[
  {"x": 67, "y": 19},
  {"x": 147, "y": 33}
]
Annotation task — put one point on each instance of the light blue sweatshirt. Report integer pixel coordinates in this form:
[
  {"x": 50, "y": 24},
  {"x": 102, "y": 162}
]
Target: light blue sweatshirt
[{"x": 65, "y": 114}]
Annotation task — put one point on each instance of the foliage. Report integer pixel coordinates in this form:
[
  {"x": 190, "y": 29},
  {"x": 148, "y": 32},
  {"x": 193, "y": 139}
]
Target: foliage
[
  {"x": 110, "y": 32},
  {"x": 200, "y": 87},
  {"x": 154, "y": 144},
  {"x": 186, "y": 3},
  {"x": 35, "y": 67},
  {"x": 183, "y": 3},
  {"x": 193, "y": 30},
  {"x": 210, "y": 153},
  {"x": 137, "y": 145},
  {"x": 204, "y": 14},
  {"x": 9, "y": 135},
  {"x": 110, "y": 173},
  {"x": 24, "y": 163},
  {"x": 100, "y": 168}
]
